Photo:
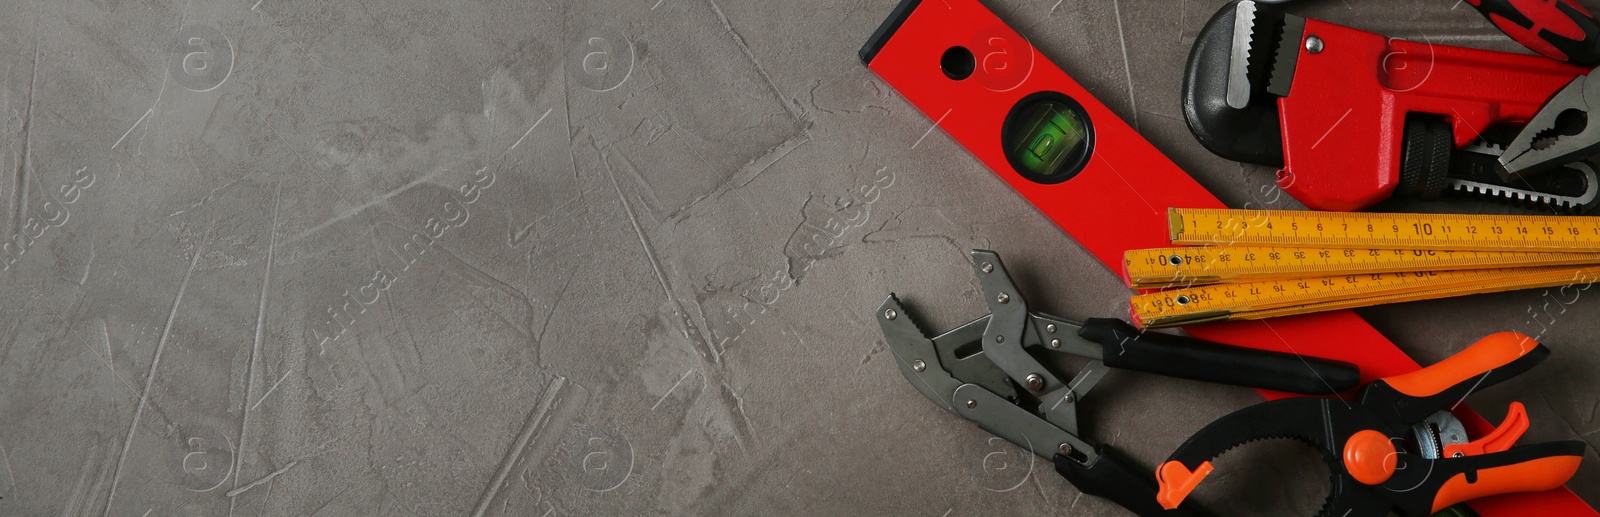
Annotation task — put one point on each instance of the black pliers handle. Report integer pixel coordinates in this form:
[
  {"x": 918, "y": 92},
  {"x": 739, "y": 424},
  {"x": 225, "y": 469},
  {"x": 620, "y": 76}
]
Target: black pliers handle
[{"x": 1129, "y": 348}]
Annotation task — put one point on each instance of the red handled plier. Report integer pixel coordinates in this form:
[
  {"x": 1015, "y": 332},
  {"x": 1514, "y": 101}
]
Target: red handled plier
[{"x": 1559, "y": 29}]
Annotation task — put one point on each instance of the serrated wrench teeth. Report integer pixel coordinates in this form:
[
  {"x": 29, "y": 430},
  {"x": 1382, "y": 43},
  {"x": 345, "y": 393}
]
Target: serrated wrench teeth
[
  {"x": 1244, "y": 21},
  {"x": 1577, "y": 204}
]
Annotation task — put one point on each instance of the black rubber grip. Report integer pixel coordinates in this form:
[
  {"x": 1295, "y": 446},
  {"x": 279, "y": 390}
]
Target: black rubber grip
[
  {"x": 1115, "y": 477},
  {"x": 1129, "y": 348}
]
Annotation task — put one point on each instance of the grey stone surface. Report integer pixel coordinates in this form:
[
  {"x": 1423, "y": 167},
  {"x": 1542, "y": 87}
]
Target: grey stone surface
[{"x": 402, "y": 257}]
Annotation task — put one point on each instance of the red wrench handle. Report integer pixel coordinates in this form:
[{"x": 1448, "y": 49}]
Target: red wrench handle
[{"x": 1559, "y": 29}]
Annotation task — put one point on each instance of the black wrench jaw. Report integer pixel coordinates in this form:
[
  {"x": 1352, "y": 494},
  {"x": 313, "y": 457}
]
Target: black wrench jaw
[{"x": 1249, "y": 135}]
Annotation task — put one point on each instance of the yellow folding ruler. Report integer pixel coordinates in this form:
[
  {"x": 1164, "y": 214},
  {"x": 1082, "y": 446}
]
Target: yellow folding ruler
[
  {"x": 1272, "y": 298},
  {"x": 1187, "y": 266},
  {"x": 1375, "y": 230},
  {"x": 1259, "y": 263}
]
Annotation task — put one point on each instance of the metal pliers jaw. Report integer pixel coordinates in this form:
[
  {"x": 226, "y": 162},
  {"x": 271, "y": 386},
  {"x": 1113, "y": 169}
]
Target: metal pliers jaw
[
  {"x": 989, "y": 371},
  {"x": 983, "y": 371},
  {"x": 957, "y": 372},
  {"x": 1560, "y": 133},
  {"x": 1368, "y": 444}
]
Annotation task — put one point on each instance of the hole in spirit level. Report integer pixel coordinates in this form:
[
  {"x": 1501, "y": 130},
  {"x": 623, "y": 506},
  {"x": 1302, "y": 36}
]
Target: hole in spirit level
[{"x": 957, "y": 63}]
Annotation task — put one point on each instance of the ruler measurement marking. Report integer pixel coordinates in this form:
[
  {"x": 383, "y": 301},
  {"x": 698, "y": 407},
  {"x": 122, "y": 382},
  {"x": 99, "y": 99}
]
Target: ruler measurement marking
[
  {"x": 1428, "y": 294},
  {"x": 1424, "y": 231},
  {"x": 1294, "y": 296},
  {"x": 1279, "y": 262},
  {"x": 1233, "y": 264}
]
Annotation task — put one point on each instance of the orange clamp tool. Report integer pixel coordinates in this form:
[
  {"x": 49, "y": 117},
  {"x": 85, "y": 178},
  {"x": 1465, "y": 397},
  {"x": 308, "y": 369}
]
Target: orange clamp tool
[{"x": 1365, "y": 440}]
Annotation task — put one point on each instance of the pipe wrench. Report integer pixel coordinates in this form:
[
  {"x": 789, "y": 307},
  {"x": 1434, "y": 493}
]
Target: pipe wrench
[{"x": 1352, "y": 117}]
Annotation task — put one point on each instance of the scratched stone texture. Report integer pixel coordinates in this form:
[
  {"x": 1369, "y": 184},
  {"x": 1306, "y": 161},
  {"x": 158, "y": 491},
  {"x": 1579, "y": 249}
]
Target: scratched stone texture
[{"x": 407, "y": 257}]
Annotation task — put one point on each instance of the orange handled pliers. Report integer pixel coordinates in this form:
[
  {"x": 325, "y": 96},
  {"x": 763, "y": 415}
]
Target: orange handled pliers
[{"x": 1378, "y": 463}]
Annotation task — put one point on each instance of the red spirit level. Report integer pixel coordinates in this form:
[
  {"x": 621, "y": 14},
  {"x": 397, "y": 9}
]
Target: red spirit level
[{"x": 1101, "y": 182}]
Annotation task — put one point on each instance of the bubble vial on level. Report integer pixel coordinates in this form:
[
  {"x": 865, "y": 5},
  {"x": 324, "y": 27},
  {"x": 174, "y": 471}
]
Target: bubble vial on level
[{"x": 1053, "y": 133}]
